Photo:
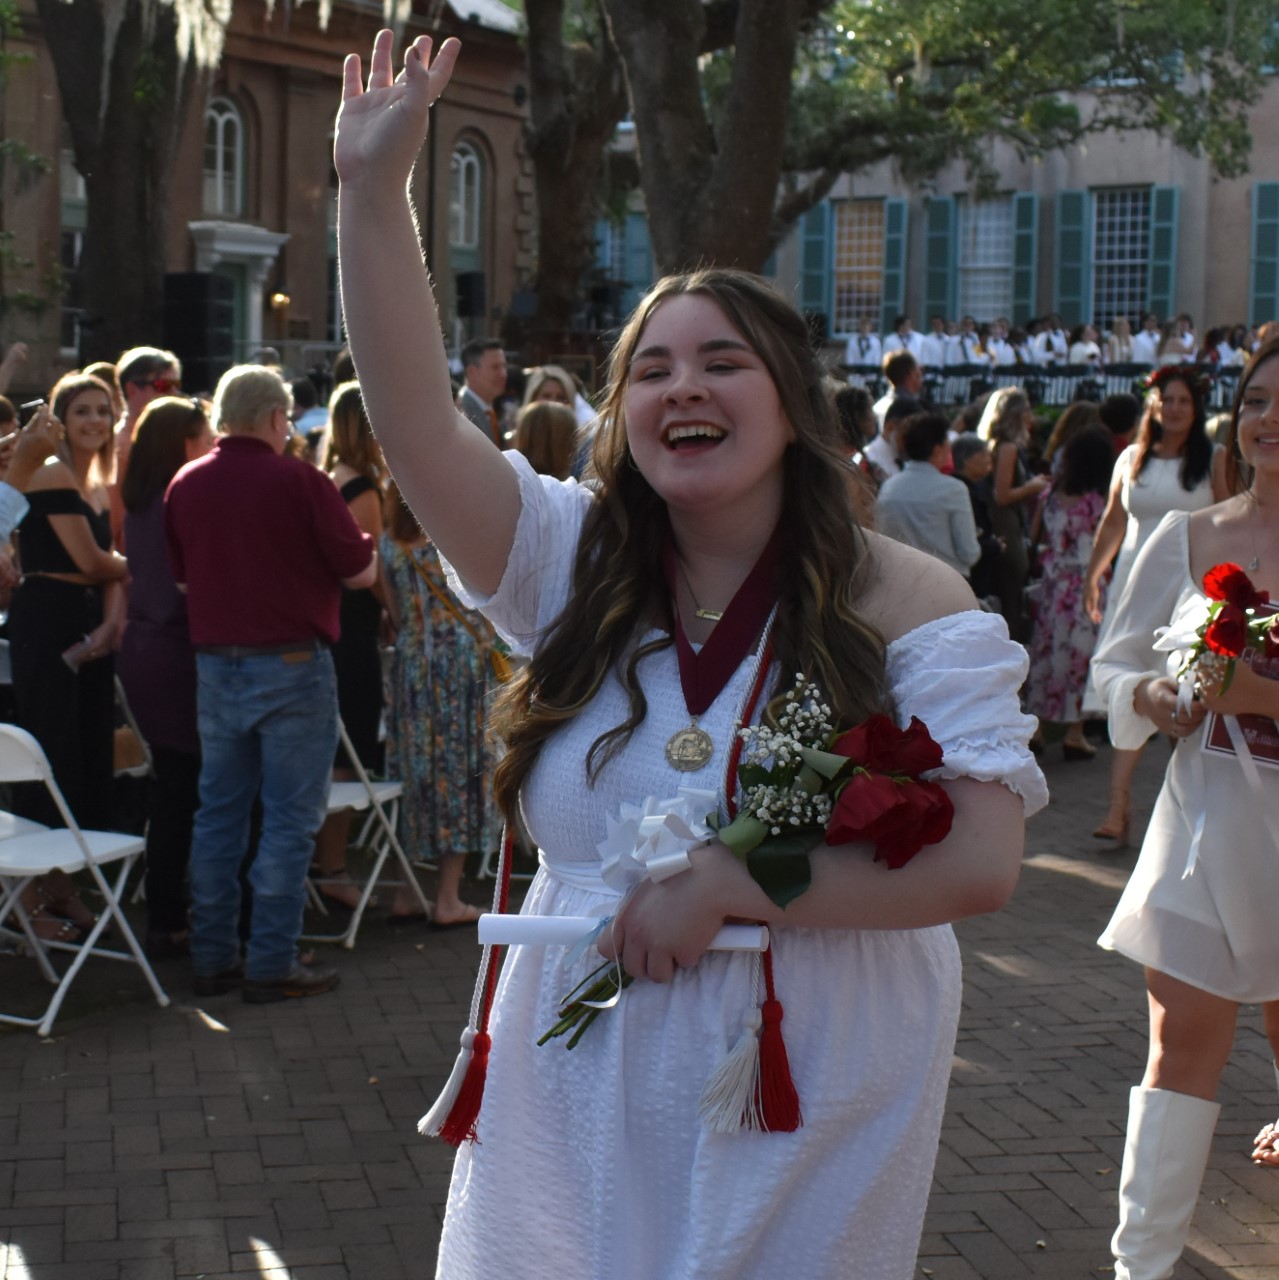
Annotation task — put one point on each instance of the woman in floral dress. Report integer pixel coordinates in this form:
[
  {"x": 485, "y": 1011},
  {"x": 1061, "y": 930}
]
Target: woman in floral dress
[
  {"x": 1065, "y": 635},
  {"x": 436, "y": 739}
]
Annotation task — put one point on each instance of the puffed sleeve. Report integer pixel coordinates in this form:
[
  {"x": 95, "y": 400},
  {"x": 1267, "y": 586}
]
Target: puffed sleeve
[
  {"x": 535, "y": 583},
  {"x": 960, "y": 675},
  {"x": 1160, "y": 577}
]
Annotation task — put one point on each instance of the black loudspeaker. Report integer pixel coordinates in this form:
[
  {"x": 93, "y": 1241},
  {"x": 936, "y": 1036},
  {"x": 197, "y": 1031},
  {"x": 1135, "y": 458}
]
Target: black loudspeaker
[
  {"x": 470, "y": 295},
  {"x": 199, "y": 325}
]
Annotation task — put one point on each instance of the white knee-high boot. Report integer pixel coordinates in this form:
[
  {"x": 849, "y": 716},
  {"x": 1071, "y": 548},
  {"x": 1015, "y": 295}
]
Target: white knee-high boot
[{"x": 1166, "y": 1152}]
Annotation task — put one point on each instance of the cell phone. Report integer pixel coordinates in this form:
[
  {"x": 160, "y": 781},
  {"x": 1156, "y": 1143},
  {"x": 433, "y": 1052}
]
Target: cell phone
[{"x": 29, "y": 410}]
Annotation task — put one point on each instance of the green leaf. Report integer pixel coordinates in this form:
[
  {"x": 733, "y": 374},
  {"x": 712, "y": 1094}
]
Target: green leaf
[
  {"x": 1228, "y": 679},
  {"x": 783, "y": 876},
  {"x": 826, "y": 763},
  {"x": 754, "y": 775},
  {"x": 743, "y": 834}
]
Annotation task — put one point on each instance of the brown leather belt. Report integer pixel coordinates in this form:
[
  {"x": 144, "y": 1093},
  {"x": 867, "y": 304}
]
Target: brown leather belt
[{"x": 294, "y": 651}]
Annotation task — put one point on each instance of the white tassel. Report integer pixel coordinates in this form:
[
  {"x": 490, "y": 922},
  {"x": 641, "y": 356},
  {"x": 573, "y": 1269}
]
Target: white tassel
[
  {"x": 730, "y": 1101},
  {"x": 430, "y": 1124}
]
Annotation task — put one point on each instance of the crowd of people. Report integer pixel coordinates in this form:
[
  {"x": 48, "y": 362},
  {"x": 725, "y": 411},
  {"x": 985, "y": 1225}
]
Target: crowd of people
[
  {"x": 247, "y": 570},
  {"x": 1044, "y": 342}
]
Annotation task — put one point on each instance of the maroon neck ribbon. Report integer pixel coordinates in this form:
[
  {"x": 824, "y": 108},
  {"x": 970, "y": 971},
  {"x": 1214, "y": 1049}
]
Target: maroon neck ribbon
[{"x": 703, "y": 675}]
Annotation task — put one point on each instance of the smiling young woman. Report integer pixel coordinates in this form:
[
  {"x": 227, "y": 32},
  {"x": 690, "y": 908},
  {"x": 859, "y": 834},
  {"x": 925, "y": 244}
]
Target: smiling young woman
[
  {"x": 714, "y": 555},
  {"x": 1197, "y": 910},
  {"x": 69, "y": 594}
]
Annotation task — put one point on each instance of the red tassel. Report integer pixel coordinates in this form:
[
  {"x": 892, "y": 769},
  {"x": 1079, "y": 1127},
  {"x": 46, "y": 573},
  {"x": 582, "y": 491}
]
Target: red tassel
[
  {"x": 459, "y": 1125},
  {"x": 777, "y": 1098},
  {"x": 457, "y": 1110},
  {"x": 775, "y": 1093}
]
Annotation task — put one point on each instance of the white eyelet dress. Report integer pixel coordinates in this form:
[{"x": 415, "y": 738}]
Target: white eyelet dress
[{"x": 592, "y": 1162}]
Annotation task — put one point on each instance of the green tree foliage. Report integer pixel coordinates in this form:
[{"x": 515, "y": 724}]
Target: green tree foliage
[{"x": 922, "y": 83}]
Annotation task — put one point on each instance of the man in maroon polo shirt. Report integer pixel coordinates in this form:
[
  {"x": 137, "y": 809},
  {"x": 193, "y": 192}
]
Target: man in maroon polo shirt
[{"x": 261, "y": 543}]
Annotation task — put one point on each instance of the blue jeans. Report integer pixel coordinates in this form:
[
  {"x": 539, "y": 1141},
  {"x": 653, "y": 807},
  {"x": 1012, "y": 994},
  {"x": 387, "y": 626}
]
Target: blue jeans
[{"x": 271, "y": 723}]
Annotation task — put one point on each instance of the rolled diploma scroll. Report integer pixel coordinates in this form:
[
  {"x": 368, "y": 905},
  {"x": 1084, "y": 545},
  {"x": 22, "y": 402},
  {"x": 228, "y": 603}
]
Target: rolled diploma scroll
[{"x": 564, "y": 931}]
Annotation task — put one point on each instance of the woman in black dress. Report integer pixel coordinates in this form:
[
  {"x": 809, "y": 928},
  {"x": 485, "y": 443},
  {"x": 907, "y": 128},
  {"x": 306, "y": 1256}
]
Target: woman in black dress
[
  {"x": 355, "y": 463},
  {"x": 63, "y": 623}
]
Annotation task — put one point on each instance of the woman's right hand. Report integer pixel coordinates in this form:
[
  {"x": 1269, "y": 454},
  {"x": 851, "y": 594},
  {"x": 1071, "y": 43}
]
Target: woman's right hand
[
  {"x": 380, "y": 128},
  {"x": 1157, "y": 701}
]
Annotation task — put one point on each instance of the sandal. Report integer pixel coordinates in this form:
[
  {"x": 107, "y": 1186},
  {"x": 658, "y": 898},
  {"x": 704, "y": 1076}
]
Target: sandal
[
  {"x": 1266, "y": 1145},
  {"x": 50, "y": 927},
  {"x": 66, "y": 906},
  {"x": 337, "y": 887}
]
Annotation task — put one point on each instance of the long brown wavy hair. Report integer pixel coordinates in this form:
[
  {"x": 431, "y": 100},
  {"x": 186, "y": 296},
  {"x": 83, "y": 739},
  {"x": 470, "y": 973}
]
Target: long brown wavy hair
[
  {"x": 618, "y": 587},
  {"x": 1238, "y": 473}
]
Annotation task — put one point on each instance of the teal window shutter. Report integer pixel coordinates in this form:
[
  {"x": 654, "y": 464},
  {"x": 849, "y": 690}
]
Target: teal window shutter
[
  {"x": 1072, "y": 258},
  {"x": 604, "y": 231},
  {"x": 1161, "y": 264},
  {"x": 815, "y": 260},
  {"x": 939, "y": 260},
  {"x": 639, "y": 260},
  {"x": 1025, "y": 255},
  {"x": 1263, "y": 279},
  {"x": 894, "y": 298},
  {"x": 769, "y": 269}
]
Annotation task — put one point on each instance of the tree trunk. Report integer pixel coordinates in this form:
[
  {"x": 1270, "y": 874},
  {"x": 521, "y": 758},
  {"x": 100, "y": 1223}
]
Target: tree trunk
[
  {"x": 709, "y": 193},
  {"x": 124, "y": 148},
  {"x": 577, "y": 96}
]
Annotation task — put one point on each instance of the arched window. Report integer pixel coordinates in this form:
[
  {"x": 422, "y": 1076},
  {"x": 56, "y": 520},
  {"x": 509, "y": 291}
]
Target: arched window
[
  {"x": 466, "y": 196},
  {"x": 223, "y": 159}
]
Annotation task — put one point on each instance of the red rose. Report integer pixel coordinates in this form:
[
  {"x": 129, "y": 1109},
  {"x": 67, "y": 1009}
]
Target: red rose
[
  {"x": 1227, "y": 634},
  {"x": 1229, "y": 582},
  {"x": 865, "y": 799},
  {"x": 922, "y": 816},
  {"x": 878, "y": 743},
  {"x": 899, "y": 818}
]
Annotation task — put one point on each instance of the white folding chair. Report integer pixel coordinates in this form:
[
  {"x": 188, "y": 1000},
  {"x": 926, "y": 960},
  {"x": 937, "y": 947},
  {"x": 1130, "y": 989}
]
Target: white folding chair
[
  {"x": 381, "y": 801},
  {"x": 146, "y": 768},
  {"x": 26, "y": 854}
]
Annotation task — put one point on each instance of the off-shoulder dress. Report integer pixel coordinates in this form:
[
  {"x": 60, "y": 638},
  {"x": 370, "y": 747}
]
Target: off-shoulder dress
[{"x": 592, "y": 1162}]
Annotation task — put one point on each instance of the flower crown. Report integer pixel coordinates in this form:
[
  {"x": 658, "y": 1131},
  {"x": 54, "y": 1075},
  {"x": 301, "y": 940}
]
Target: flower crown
[{"x": 1199, "y": 382}]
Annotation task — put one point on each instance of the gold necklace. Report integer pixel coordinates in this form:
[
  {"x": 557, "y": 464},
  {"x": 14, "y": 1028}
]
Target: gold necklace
[{"x": 706, "y": 615}]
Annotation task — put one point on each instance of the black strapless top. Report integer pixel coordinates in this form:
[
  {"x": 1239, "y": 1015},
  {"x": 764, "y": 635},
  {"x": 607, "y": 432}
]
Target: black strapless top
[{"x": 39, "y": 547}]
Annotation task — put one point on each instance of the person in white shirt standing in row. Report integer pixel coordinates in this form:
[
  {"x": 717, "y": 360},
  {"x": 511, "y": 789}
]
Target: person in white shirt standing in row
[
  {"x": 864, "y": 348},
  {"x": 904, "y": 338}
]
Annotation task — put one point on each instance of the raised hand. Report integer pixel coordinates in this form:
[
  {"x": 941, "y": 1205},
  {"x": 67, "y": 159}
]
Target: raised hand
[{"x": 380, "y": 128}]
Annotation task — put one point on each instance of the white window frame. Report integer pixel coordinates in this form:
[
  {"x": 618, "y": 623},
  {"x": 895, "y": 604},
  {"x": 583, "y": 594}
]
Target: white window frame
[
  {"x": 857, "y": 226},
  {"x": 227, "y": 123},
  {"x": 466, "y": 196},
  {"x": 1109, "y": 302},
  {"x": 984, "y": 257}
]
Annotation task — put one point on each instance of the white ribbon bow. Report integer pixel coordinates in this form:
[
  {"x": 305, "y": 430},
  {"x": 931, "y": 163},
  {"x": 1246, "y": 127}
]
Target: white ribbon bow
[
  {"x": 652, "y": 841},
  {"x": 1182, "y": 633}
]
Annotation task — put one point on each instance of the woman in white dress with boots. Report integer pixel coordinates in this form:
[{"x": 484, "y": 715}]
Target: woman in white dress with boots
[
  {"x": 720, "y": 531},
  {"x": 1198, "y": 911}
]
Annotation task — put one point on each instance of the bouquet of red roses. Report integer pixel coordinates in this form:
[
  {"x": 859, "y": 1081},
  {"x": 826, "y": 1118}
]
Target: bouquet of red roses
[
  {"x": 1235, "y": 620},
  {"x": 802, "y": 782}
]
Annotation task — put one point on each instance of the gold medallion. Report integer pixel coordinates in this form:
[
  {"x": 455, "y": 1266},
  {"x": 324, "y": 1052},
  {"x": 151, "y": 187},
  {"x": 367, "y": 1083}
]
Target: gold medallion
[{"x": 689, "y": 749}]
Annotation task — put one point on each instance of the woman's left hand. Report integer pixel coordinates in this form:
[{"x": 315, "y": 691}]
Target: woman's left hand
[
  {"x": 1248, "y": 694},
  {"x": 669, "y": 924}
]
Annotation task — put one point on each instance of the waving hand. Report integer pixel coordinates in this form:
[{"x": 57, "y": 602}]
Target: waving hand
[{"x": 380, "y": 127}]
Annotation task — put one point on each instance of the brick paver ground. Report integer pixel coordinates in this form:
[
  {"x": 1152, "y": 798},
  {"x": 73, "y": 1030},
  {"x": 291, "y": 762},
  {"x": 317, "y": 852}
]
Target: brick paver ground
[{"x": 224, "y": 1140}]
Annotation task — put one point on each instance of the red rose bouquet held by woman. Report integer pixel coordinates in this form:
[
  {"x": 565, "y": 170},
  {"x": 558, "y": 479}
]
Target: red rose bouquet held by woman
[
  {"x": 1238, "y": 618},
  {"x": 802, "y": 783}
]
